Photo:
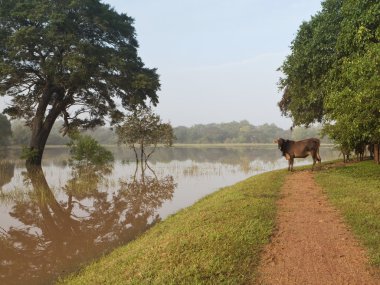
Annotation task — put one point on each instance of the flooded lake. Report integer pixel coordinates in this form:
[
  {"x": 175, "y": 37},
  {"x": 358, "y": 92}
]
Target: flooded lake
[{"x": 55, "y": 219}]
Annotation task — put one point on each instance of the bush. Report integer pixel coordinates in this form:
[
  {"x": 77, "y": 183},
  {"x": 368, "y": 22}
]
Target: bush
[{"x": 86, "y": 150}]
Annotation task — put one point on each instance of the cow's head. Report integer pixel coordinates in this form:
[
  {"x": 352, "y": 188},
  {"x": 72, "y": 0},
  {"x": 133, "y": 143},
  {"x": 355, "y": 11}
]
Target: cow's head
[{"x": 280, "y": 142}]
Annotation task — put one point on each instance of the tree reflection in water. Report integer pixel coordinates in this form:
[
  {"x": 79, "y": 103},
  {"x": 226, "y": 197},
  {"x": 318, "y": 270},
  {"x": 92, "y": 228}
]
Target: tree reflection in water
[
  {"x": 7, "y": 170},
  {"x": 58, "y": 236}
]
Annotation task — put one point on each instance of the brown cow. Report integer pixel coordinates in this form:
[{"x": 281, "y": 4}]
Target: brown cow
[{"x": 299, "y": 149}]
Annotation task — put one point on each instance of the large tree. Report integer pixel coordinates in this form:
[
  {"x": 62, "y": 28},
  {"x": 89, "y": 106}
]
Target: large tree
[
  {"x": 306, "y": 68},
  {"x": 75, "y": 59},
  {"x": 332, "y": 73}
]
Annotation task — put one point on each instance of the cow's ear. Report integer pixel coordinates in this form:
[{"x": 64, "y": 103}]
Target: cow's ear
[{"x": 275, "y": 141}]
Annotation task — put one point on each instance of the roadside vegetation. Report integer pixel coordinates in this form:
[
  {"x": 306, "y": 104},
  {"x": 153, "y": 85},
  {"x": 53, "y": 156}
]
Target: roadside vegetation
[
  {"x": 216, "y": 241},
  {"x": 355, "y": 190}
]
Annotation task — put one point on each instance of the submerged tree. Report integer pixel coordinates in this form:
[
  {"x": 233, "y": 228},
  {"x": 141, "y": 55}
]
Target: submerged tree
[
  {"x": 85, "y": 150},
  {"x": 69, "y": 59},
  {"x": 142, "y": 128}
]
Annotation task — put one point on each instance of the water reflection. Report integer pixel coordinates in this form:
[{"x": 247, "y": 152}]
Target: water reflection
[
  {"x": 56, "y": 236},
  {"x": 143, "y": 194},
  {"x": 7, "y": 170},
  {"x": 56, "y": 218},
  {"x": 226, "y": 155}
]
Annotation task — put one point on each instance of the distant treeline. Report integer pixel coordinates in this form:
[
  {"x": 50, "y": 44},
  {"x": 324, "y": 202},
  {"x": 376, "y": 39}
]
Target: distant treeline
[
  {"x": 233, "y": 132},
  {"x": 241, "y": 132},
  {"x": 21, "y": 134}
]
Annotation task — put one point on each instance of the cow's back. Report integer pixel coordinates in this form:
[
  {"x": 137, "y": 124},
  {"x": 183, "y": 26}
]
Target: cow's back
[{"x": 304, "y": 148}]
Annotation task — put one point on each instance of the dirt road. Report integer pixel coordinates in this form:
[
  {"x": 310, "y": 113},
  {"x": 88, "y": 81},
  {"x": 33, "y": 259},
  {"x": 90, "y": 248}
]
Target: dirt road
[{"x": 312, "y": 244}]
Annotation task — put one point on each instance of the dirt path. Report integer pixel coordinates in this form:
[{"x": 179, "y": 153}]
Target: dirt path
[{"x": 312, "y": 244}]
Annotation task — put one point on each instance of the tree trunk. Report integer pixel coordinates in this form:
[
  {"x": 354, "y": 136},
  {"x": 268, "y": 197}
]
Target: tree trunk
[
  {"x": 41, "y": 125},
  {"x": 377, "y": 153},
  {"x": 40, "y": 134},
  {"x": 37, "y": 145}
]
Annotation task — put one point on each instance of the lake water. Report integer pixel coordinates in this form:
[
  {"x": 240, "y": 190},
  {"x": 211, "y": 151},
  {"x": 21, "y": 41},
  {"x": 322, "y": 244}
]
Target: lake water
[{"x": 55, "y": 219}]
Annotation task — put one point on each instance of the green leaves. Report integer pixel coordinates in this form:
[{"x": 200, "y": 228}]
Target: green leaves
[
  {"x": 84, "y": 48},
  {"x": 85, "y": 150},
  {"x": 143, "y": 127},
  {"x": 75, "y": 59},
  {"x": 332, "y": 75}
]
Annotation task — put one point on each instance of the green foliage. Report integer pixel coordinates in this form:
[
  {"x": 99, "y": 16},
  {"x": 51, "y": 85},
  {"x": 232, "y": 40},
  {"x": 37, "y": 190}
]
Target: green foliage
[
  {"x": 84, "y": 50},
  {"x": 305, "y": 69},
  {"x": 5, "y": 130},
  {"x": 143, "y": 128},
  {"x": 233, "y": 132},
  {"x": 27, "y": 153},
  {"x": 67, "y": 58},
  {"x": 332, "y": 74},
  {"x": 241, "y": 132},
  {"x": 354, "y": 100},
  {"x": 85, "y": 150}
]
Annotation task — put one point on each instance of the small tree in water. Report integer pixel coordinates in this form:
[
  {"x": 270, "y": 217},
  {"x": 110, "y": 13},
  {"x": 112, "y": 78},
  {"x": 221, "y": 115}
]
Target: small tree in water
[
  {"x": 85, "y": 150},
  {"x": 142, "y": 129}
]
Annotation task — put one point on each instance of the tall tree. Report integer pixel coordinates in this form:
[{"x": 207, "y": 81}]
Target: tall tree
[
  {"x": 353, "y": 83},
  {"x": 332, "y": 73},
  {"x": 75, "y": 59},
  {"x": 143, "y": 128},
  {"x": 306, "y": 68}
]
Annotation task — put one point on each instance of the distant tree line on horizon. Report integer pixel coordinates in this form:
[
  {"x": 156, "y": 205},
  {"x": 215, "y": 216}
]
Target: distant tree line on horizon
[
  {"x": 232, "y": 132},
  {"x": 241, "y": 132}
]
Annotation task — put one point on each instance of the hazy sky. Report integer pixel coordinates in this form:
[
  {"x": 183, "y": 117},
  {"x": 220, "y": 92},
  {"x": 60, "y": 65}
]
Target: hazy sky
[{"x": 217, "y": 59}]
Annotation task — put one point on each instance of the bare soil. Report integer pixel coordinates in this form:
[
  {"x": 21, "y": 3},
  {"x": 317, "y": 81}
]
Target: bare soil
[{"x": 312, "y": 244}]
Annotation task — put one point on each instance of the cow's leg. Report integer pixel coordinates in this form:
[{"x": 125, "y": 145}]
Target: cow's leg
[
  {"x": 318, "y": 156},
  {"x": 291, "y": 161},
  {"x": 315, "y": 156}
]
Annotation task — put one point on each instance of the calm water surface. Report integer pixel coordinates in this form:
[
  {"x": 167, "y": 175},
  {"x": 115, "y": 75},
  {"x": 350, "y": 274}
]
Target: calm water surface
[{"x": 55, "y": 219}]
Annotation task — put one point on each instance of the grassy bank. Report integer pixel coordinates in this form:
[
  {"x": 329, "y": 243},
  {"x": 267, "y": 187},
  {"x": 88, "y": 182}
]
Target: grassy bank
[
  {"x": 216, "y": 241},
  {"x": 355, "y": 190}
]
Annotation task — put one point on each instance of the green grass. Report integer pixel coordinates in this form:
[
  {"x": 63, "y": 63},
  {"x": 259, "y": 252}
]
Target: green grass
[
  {"x": 216, "y": 241},
  {"x": 355, "y": 190}
]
